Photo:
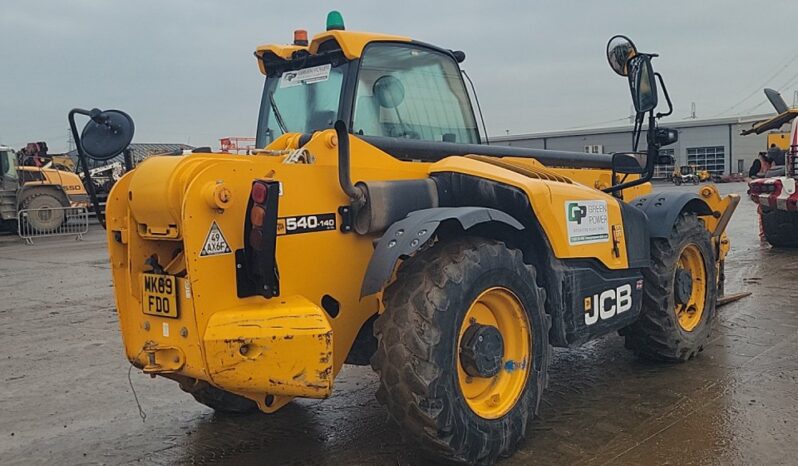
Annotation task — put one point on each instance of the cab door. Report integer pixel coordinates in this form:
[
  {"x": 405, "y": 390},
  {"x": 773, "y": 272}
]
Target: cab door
[
  {"x": 9, "y": 183},
  {"x": 8, "y": 170}
]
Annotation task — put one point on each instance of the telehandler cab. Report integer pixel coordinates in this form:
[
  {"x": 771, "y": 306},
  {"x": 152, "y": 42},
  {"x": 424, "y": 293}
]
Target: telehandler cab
[{"x": 373, "y": 226}]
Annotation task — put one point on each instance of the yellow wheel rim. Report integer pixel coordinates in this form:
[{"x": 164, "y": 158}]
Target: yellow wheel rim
[
  {"x": 689, "y": 314},
  {"x": 493, "y": 397}
]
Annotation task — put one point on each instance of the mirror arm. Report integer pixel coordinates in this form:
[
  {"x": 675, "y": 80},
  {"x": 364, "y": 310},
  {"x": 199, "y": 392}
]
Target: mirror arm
[
  {"x": 667, "y": 97},
  {"x": 87, "y": 181},
  {"x": 651, "y": 153}
]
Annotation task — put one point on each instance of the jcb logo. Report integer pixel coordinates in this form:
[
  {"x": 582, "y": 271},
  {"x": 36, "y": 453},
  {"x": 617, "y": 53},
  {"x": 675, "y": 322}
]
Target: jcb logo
[
  {"x": 576, "y": 212},
  {"x": 608, "y": 304}
]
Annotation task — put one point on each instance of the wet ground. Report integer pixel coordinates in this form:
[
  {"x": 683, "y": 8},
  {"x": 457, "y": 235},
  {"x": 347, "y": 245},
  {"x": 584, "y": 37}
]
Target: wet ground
[{"x": 65, "y": 395}]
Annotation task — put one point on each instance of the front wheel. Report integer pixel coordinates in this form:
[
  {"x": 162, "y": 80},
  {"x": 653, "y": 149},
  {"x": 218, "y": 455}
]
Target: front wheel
[
  {"x": 678, "y": 296},
  {"x": 677, "y": 181},
  {"x": 463, "y": 349}
]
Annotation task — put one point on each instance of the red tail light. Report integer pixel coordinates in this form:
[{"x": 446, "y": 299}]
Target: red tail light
[
  {"x": 259, "y": 192},
  {"x": 256, "y": 266}
]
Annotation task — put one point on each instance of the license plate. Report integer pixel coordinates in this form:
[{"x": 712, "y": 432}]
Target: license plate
[{"x": 159, "y": 295}]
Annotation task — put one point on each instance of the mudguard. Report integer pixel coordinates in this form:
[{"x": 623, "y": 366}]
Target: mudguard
[
  {"x": 662, "y": 210},
  {"x": 408, "y": 235}
]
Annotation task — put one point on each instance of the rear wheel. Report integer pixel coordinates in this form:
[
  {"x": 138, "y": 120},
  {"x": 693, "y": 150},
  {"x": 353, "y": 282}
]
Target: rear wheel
[
  {"x": 677, "y": 181},
  {"x": 780, "y": 227},
  {"x": 463, "y": 349},
  {"x": 45, "y": 211},
  {"x": 679, "y": 295},
  {"x": 220, "y": 400}
]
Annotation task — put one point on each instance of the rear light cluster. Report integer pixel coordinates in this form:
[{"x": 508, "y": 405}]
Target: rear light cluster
[
  {"x": 256, "y": 265},
  {"x": 259, "y": 205}
]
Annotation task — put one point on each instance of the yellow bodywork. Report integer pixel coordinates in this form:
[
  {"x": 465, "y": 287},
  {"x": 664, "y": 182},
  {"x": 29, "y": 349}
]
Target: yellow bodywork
[
  {"x": 780, "y": 138},
  {"x": 352, "y": 44},
  {"x": 287, "y": 346},
  {"x": 271, "y": 350},
  {"x": 70, "y": 182}
]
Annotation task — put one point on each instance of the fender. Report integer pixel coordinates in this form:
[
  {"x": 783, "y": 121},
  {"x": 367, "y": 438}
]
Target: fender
[
  {"x": 58, "y": 190},
  {"x": 408, "y": 235},
  {"x": 662, "y": 210}
]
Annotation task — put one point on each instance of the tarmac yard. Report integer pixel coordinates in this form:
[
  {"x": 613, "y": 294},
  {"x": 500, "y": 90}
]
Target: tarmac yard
[{"x": 65, "y": 395}]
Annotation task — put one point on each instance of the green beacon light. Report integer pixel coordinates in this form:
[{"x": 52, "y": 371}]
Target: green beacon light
[{"x": 335, "y": 22}]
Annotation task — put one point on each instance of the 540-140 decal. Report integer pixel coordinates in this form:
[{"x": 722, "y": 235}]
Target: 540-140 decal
[{"x": 305, "y": 224}]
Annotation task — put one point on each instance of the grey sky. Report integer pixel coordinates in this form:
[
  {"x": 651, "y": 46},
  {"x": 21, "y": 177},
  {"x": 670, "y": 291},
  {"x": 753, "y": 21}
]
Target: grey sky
[{"x": 184, "y": 69}]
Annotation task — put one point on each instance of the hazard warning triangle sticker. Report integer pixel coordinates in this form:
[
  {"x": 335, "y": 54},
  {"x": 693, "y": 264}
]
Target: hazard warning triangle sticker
[{"x": 215, "y": 244}]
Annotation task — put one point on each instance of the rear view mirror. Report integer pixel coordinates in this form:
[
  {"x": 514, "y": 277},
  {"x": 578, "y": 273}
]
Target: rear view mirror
[
  {"x": 625, "y": 60},
  {"x": 642, "y": 83},
  {"x": 620, "y": 49},
  {"x": 107, "y": 134},
  {"x": 389, "y": 91},
  {"x": 628, "y": 163}
]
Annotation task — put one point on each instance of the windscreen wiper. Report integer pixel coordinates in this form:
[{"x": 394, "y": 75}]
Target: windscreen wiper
[{"x": 277, "y": 115}]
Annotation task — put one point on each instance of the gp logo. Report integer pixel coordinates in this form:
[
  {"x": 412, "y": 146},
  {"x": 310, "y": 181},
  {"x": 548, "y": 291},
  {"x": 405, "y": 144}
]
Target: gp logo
[
  {"x": 608, "y": 304},
  {"x": 576, "y": 213}
]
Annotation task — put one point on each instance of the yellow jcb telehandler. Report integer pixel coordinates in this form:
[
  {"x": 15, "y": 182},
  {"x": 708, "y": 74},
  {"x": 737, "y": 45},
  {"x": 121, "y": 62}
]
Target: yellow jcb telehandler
[{"x": 373, "y": 225}]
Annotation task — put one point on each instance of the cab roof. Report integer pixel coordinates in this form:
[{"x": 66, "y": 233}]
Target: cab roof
[{"x": 351, "y": 44}]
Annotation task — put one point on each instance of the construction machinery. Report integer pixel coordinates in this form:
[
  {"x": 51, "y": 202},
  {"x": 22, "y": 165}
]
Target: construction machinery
[
  {"x": 372, "y": 225},
  {"x": 690, "y": 174},
  {"x": 42, "y": 192},
  {"x": 702, "y": 173},
  {"x": 35, "y": 154},
  {"x": 776, "y": 194},
  {"x": 684, "y": 175}
]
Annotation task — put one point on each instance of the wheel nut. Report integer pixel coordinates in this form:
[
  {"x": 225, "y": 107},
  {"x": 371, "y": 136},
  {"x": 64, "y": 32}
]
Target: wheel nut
[{"x": 244, "y": 350}]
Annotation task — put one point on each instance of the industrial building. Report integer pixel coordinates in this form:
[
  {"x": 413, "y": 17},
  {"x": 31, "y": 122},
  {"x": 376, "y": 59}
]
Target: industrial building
[{"x": 712, "y": 144}]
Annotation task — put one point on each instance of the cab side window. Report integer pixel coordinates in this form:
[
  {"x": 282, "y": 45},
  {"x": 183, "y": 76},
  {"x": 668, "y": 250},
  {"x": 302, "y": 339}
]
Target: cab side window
[
  {"x": 4, "y": 165},
  {"x": 8, "y": 165},
  {"x": 411, "y": 92}
]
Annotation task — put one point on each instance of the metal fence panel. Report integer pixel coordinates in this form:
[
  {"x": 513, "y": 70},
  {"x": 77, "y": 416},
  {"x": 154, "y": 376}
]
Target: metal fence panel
[{"x": 60, "y": 221}]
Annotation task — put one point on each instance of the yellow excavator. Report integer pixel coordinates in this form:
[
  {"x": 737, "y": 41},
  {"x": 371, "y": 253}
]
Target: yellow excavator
[{"x": 373, "y": 226}]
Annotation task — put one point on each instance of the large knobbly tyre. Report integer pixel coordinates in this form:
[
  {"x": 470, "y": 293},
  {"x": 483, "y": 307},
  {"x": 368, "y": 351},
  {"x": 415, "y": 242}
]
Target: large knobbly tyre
[
  {"x": 221, "y": 401},
  {"x": 46, "y": 212},
  {"x": 679, "y": 295},
  {"x": 455, "y": 388},
  {"x": 780, "y": 227}
]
